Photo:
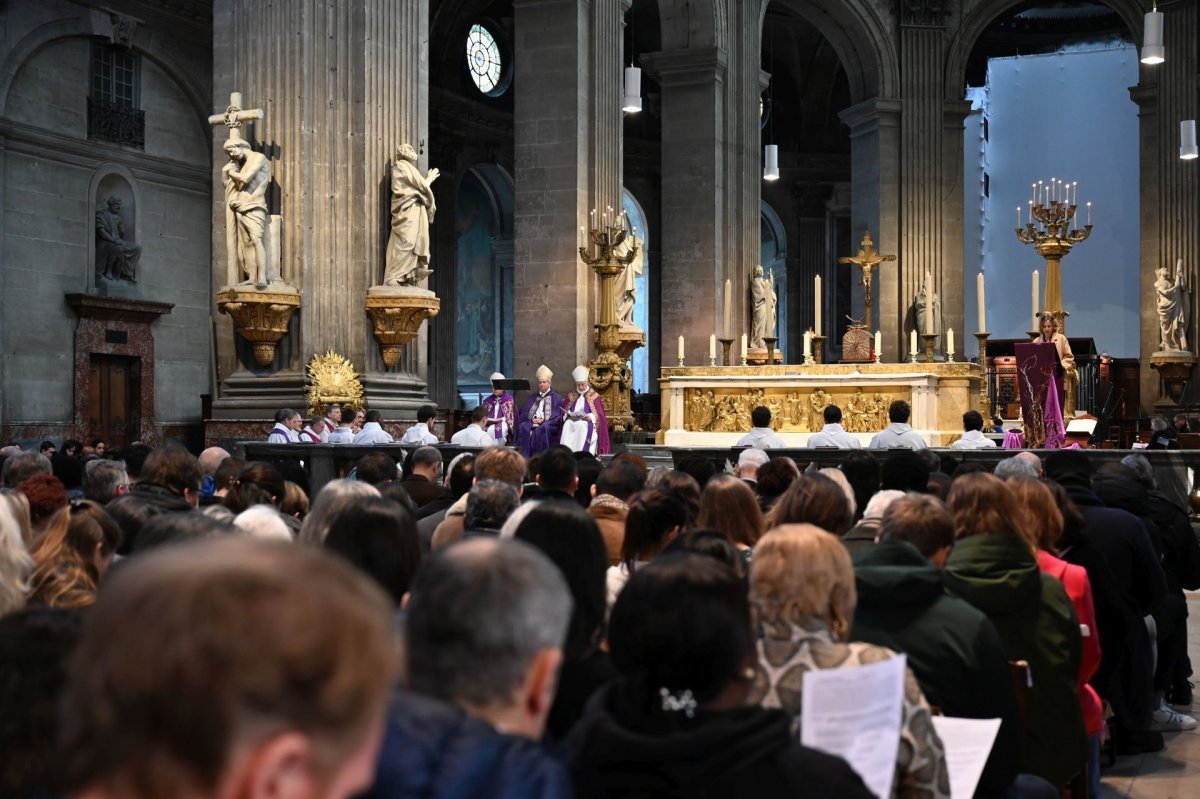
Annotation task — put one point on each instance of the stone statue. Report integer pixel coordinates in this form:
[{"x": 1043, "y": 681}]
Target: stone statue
[
  {"x": 930, "y": 323},
  {"x": 1172, "y": 293},
  {"x": 245, "y": 178},
  {"x": 413, "y": 208},
  {"x": 762, "y": 307},
  {"x": 116, "y": 256},
  {"x": 627, "y": 294}
]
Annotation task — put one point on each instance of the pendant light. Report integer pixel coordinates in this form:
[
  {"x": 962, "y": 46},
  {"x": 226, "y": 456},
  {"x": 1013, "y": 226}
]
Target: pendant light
[
  {"x": 1152, "y": 39},
  {"x": 1187, "y": 140},
  {"x": 771, "y": 162},
  {"x": 632, "y": 101},
  {"x": 771, "y": 151}
]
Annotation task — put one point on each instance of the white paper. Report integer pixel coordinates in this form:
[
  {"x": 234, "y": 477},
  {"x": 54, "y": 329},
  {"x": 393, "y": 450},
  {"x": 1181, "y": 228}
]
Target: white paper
[
  {"x": 855, "y": 713},
  {"x": 967, "y": 742}
]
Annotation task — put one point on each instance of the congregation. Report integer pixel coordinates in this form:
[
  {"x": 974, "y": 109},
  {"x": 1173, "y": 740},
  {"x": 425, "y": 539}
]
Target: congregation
[{"x": 559, "y": 626}]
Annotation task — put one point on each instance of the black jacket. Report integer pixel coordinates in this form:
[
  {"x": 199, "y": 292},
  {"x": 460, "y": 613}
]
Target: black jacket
[
  {"x": 625, "y": 747},
  {"x": 952, "y": 648}
]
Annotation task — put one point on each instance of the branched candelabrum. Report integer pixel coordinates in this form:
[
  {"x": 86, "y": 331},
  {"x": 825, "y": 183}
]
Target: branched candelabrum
[
  {"x": 602, "y": 250},
  {"x": 1052, "y": 229}
]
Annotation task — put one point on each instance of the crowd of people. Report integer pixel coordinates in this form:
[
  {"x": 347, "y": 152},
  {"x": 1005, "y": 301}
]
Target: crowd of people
[{"x": 559, "y": 626}]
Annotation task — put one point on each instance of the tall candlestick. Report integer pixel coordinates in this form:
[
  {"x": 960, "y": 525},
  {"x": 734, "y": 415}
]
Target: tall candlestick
[
  {"x": 681, "y": 348},
  {"x": 878, "y": 345},
  {"x": 980, "y": 302},
  {"x": 927, "y": 323},
  {"x": 712, "y": 346},
  {"x": 1036, "y": 289},
  {"x": 912, "y": 343},
  {"x": 728, "y": 311},
  {"x": 817, "y": 306},
  {"x": 950, "y": 341}
]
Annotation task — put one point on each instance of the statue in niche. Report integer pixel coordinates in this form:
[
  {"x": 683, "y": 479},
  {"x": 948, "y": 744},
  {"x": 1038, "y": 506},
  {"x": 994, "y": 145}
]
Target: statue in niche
[
  {"x": 116, "y": 257},
  {"x": 762, "y": 307},
  {"x": 413, "y": 208},
  {"x": 627, "y": 294},
  {"x": 245, "y": 178},
  {"x": 1172, "y": 294},
  {"x": 927, "y": 310}
]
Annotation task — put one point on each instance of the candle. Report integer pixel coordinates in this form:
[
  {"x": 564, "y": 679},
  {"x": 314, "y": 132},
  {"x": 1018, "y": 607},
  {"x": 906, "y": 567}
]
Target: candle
[
  {"x": 712, "y": 346},
  {"x": 1036, "y": 288},
  {"x": 681, "y": 348},
  {"x": 807, "y": 344},
  {"x": 728, "y": 312},
  {"x": 1033, "y": 194},
  {"x": 912, "y": 343},
  {"x": 1053, "y": 189},
  {"x": 927, "y": 322},
  {"x": 745, "y": 347},
  {"x": 1018, "y": 217},
  {"x": 878, "y": 345},
  {"x": 950, "y": 341},
  {"x": 1089, "y": 221},
  {"x": 980, "y": 303},
  {"x": 817, "y": 305}
]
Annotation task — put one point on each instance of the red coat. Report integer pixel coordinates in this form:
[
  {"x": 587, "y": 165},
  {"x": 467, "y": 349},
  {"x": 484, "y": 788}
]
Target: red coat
[{"x": 1079, "y": 589}]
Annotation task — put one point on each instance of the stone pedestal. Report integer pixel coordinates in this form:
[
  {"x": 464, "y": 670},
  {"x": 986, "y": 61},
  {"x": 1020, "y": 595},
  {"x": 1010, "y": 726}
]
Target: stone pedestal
[
  {"x": 261, "y": 316},
  {"x": 630, "y": 338},
  {"x": 1174, "y": 368},
  {"x": 397, "y": 314}
]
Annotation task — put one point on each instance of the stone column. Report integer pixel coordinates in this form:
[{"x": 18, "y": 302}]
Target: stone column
[
  {"x": 442, "y": 329},
  {"x": 875, "y": 181},
  {"x": 342, "y": 86},
  {"x": 954, "y": 115}
]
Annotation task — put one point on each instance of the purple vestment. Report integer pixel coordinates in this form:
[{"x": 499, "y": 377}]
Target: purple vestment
[{"x": 532, "y": 438}]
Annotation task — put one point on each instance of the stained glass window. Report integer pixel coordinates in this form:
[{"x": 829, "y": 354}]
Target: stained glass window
[{"x": 483, "y": 59}]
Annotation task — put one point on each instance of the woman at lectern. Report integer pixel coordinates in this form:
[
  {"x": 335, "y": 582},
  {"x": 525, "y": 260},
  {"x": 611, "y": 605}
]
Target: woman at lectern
[{"x": 1066, "y": 359}]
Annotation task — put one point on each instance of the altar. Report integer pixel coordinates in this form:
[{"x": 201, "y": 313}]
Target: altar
[{"x": 706, "y": 406}]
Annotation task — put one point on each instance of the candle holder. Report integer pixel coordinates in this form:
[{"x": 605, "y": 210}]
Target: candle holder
[
  {"x": 982, "y": 338},
  {"x": 603, "y": 252},
  {"x": 929, "y": 339},
  {"x": 809, "y": 360},
  {"x": 1049, "y": 230},
  {"x": 770, "y": 341},
  {"x": 712, "y": 360},
  {"x": 949, "y": 356},
  {"x": 726, "y": 346},
  {"x": 818, "y": 348},
  {"x": 878, "y": 359},
  {"x": 681, "y": 362},
  {"x": 912, "y": 355}
]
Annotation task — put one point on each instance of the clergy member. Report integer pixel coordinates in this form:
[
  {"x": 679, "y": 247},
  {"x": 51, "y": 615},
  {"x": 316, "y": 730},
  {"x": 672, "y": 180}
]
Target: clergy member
[
  {"x": 584, "y": 425},
  {"x": 832, "y": 434},
  {"x": 474, "y": 434},
  {"x": 501, "y": 413},
  {"x": 333, "y": 418},
  {"x": 372, "y": 430},
  {"x": 973, "y": 437},
  {"x": 540, "y": 416},
  {"x": 761, "y": 435},
  {"x": 287, "y": 427}
]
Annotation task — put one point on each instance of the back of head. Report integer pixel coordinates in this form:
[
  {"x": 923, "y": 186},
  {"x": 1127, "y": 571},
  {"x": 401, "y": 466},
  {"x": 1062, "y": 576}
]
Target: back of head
[
  {"x": 158, "y": 714},
  {"x": 1139, "y": 466},
  {"x": 426, "y": 457},
  {"x": 103, "y": 479},
  {"x": 501, "y": 463},
  {"x": 729, "y": 505},
  {"x": 972, "y": 420},
  {"x": 378, "y": 537},
  {"x": 173, "y": 468},
  {"x": 621, "y": 479},
  {"x": 898, "y": 412},
  {"x": 862, "y": 470},
  {"x": 982, "y": 504},
  {"x": 921, "y": 520},
  {"x": 135, "y": 456},
  {"x": 257, "y": 483},
  {"x": 713, "y": 544},
  {"x": 558, "y": 470},
  {"x": 1015, "y": 467},
  {"x": 263, "y": 521},
  {"x": 373, "y": 416},
  {"x": 66, "y": 573},
  {"x": 178, "y": 527},
  {"x": 571, "y": 539},
  {"x": 588, "y": 467},
  {"x": 461, "y": 474},
  {"x": 774, "y": 477},
  {"x": 814, "y": 499},
  {"x": 1069, "y": 467},
  {"x": 489, "y": 504},
  {"x": 653, "y": 516},
  {"x": 879, "y": 504},
  {"x": 681, "y": 624},
  {"x": 684, "y": 488},
  {"x": 800, "y": 573},
  {"x": 904, "y": 470},
  {"x": 334, "y": 497},
  {"x": 700, "y": 469},
  {"x": 375, "y": 468},
  {"x": 46, "y": 495},
  {"x": 481, "y": 611},
  {"x": 760, "y": 416},
  {"x": 839, "y": 477},
  {"x": 227, "y": 472},
  {"x": 478, "y": 414},
  {"x": 832, "y": 414},
  {"x": 1041, "y": 519},
  {"x": 425, "y": 414},
  {"x": 68, "y": 469},
  {"x": 750, "y": 460},
  {"x": 20, "y": 466},
  {"x": 629, "y": 456},
  {"x": 210, "y": 459},
  {"x": 16, "y": 564}
]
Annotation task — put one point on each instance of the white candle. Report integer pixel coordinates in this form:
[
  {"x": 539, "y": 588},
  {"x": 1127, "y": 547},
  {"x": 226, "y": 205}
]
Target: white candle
[
  {"x": 712, "y": 346},
  {"x": 728, "y": 310},
  {"x": 807, "y": 344},
  {"x": 745, "y": 347},
  {"x": 1033, "y": 194},
  {"x": 927, "y": 322},
  {"x": 912, "y": 343},
  {"x": 681, "y": 348},
  {"x": 817, "y": 306},
  {"x": 1089, "y": 207},
  {"x": 980, "y": 302},
  {"x": 1018, "y": 217},
  {"x": 1036, "y": 289},
  {"x": 950, "y": 341},
  {"x": 878, "y": 345}
]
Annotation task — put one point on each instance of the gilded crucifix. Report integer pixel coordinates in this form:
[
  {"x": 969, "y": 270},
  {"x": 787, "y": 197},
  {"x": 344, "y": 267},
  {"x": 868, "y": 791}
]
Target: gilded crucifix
[{"x": 868, "y": 258}]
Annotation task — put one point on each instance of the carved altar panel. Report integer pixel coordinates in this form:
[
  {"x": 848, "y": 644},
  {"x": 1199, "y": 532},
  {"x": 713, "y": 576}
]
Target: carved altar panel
[{"x": 796, "y": 411}]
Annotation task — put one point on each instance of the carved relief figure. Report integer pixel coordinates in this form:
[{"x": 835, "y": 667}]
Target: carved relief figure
[
  {"x": 818, "y": 401},
  {"x": 116, "y": 256},
  {"x": 762, "y": 307},
  {"x": 245, "y": 178},
  {"x": 1172, "y": 294},
  {"x": 413, "y": 209},
  {"x": 700, "y": 411}
]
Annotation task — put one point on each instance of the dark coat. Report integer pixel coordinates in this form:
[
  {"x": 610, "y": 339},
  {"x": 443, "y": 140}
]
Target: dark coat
[
  {"x": 952, "y": 648},
  {"x": 625, "y": 747},
  {"x": 432, "y": 750},
  {"x": 999, "y": 575},
  {"x": 421, "y": 489}
]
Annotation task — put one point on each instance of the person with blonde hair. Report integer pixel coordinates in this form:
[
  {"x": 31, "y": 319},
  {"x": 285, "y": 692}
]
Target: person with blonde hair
[
  {"x": 16, "y": 564},
  {"x": 72, "y": 554},
  {"x": 802, "y": 586}
]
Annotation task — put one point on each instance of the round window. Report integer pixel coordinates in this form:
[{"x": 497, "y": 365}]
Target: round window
[{"x": 483, "y": 60}]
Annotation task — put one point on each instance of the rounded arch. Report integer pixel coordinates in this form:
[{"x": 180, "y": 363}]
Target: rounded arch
[
  {"x": 499, "y": 187},
  {"x": 978, "y": 19},
  {"x": 774, "y": 225},
  {"x": 111, "y": 179}
]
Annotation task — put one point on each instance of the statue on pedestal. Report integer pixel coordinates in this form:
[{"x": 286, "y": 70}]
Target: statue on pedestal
[
  {"x": 1172, "y": 294},
  {"x": 245, "y": 178},
  {"x": 116, "y": 256},
  {"x": 762, "y": 307},
  {"x": 927, "y": 310},
  {"x": 413, "y": 208},
  {"x": 627, "y": 295}
]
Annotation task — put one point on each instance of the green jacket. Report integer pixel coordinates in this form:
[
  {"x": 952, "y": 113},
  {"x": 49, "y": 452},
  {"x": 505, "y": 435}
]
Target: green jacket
[{"x": 999, "y": 575}]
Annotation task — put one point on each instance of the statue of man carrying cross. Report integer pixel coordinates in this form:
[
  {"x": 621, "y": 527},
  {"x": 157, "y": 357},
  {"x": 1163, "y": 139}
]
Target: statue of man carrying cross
[
  {"x": 868, "y": 258},
  {"x": 245, "y": 178}
]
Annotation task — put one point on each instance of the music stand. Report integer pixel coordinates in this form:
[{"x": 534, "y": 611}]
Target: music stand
[{"x": 512, "y": 386}]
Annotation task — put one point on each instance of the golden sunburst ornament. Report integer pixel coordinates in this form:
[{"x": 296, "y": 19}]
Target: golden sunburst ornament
[{"x": 332, "y": 379}]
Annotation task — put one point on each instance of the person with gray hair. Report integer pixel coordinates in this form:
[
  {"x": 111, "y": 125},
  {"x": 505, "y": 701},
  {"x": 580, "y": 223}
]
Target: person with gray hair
[
  {"x": 104, "y": 481},
  {"x": 336, "y": 496},
  {"x": 749, "y": 463},
  {"x": 863, "y": 535},
  {"x": 489, "y": 504},
  {"x": 20, "y": 467},
  {"x": 1016, "y": 466}
]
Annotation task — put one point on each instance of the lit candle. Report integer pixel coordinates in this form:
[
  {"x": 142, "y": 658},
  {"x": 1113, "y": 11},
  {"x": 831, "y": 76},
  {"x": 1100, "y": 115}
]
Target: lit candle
[
  {"x": 712, "y": 346},
  {"x": 980, "y": 303},
  {"x": 1033, "y": 194},
  {"x": 817, "y": 306},
  {"x": 807, "y": 344},
  {"x": 745, "y": 347},
  {"x": 1053, "y": 189},
  {"x": 681, "y": 348},
  {"x": 582, "y": 238},
  {"x": 912, "y": 343},
  {"x": 1018, "y": 217},
  {"x": 1089, "y": 221},
  {"x": 1036, "y": 289},
  {"x": 592, "y": 218},
  {"x": 950, "y": 341},
  {"x": 878, "y": 345},
  {"x": 728, "y": 311}
]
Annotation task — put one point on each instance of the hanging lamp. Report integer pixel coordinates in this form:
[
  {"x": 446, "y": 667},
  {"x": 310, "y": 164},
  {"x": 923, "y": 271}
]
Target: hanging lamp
[
  {"x": 1152, "y": 39},
  {"x": 1187, "y": 140}
]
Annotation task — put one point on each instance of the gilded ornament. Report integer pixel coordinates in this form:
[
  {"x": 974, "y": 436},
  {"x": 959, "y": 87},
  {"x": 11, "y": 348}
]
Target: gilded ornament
[
  {"x": 260, "y": 317},
  {"x": 332, "y": 379}
]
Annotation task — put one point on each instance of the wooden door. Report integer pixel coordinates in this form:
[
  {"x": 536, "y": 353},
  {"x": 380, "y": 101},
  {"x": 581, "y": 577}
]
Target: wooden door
[{"x": 114, "y": 397}]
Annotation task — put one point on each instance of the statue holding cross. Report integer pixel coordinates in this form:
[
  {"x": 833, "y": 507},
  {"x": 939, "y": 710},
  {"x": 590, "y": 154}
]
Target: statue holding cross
[
  {"x": 245, "y": 178},
  {"x": 868, "y": 258}
]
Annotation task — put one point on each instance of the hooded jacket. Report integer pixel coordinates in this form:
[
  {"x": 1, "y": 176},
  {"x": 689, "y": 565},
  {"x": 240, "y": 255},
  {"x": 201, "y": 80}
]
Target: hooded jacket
[
  {"x": 953, "y": 650},
  {"x": 626, "y": 747},
  {"x": 999, "y": 575}
]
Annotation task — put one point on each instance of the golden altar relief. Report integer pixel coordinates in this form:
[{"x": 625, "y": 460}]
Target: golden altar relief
[{"x": 717, "y": 411}]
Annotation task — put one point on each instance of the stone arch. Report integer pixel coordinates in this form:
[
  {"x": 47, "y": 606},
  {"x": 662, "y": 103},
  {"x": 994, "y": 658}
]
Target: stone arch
[{"x": 111, "y": 179}]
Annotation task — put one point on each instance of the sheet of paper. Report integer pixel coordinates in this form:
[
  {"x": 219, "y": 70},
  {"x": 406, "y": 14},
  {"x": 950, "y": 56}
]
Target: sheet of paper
[
  {"x": 968, "y": 742},
  {"x": 855, "y": 713}
]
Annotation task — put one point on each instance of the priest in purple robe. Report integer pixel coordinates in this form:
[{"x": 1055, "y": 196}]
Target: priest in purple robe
[
  {"x": 501, "y": 414},
  {"x": 584, "y": 425},
  {"x": 541, "y": 415}
]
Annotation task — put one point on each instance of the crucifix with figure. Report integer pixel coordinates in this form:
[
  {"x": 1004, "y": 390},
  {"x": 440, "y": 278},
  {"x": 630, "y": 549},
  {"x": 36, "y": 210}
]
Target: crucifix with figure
[
  {"x": 868, "y": 258},
  {"x": 235, "y": 115}
]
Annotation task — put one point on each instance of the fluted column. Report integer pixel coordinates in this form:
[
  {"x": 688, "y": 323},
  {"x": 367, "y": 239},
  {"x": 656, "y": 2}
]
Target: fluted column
[{"x": 605, "y": 151}]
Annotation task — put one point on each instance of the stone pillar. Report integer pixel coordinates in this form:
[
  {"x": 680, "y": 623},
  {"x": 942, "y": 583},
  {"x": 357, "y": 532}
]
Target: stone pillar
[
  {"x": 875, "y": 181},
  {"x": 745, "y": 82},
  {"x": 342, "y": 86},
  {"x": 954, "y": 115},
  {"x": 565, "y": 154},
  {"x": 442, "y": 329},
  {"x": 502, "y": 287}
]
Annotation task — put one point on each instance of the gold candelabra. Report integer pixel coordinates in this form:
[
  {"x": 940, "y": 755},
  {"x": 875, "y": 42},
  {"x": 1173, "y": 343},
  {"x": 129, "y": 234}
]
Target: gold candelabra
[
  {"x": 609, "y": 373},
  {"x": 1053, "y": 232}
]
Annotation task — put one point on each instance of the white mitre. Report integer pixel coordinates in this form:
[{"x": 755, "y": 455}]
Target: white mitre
[
  {"x": 543, "y": 373},
  {"x": 580, "y": 375},
  {"x": 496, "y": 376}
]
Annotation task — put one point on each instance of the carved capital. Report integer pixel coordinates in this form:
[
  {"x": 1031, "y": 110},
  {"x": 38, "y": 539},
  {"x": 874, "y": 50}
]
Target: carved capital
[
  {"x": 124, "y": 28},
  {"x": 923, "y": 13},
  {"x": 260, "y": 317},
  {"x": 398, "y": 318}
]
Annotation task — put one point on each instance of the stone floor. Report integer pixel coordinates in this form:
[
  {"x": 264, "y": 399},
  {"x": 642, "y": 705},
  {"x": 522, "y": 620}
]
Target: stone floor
[{"x": 1173, "y": 773}]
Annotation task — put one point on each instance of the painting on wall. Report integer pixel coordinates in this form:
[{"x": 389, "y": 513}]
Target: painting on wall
[{"x": 476, "y": 309}]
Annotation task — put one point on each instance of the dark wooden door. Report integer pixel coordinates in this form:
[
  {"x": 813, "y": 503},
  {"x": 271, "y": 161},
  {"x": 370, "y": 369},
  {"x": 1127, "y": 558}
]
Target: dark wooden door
[{"x": 114, "y": 397}]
